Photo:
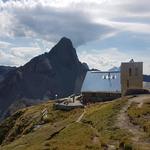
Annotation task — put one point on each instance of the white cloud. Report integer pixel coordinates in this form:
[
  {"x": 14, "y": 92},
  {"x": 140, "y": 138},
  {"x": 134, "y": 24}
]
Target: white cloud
[
  {"x": 6, "y": 58},
  {"x": 103, "y": 59},
  {"x": 108, "y": 58},
  {"x": 5, "y": 23},
  {"x": 4, "y": 44},
  {"x": 40, "y": 19},
  {"x": 133, "y": 27},
  {"x": 81, "y": 20},
  {"x": 25, "y": 52},
  {"x": 17, "y": 56}
]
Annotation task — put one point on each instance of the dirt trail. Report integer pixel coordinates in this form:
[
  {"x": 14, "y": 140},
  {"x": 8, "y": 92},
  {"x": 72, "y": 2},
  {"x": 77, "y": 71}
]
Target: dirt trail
[
  {"x": 95, "y": 137},
  {"x": 81, "y": 116},
  {"x": 123, "y": 121}
]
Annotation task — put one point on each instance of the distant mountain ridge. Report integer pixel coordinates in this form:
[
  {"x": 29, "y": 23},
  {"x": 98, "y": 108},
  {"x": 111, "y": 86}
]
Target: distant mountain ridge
[
  {"x": 114, "y": 69},
  {"x": 58, "y": 72},
  {"x": 146, "y": 78}
]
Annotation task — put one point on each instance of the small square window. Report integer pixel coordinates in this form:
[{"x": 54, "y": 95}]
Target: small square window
[
  {"x": 130, "y": 72},
  {"x": 136, "y": 71},
  {"x": 128, "y": 84},
  {"x": 104, "y": 77}
]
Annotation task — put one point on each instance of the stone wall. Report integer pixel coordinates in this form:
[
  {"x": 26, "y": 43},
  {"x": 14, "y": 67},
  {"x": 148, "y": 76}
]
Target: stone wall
[
  {"x": 131, "y": 76},
  {"x": 89, "y": 97}
]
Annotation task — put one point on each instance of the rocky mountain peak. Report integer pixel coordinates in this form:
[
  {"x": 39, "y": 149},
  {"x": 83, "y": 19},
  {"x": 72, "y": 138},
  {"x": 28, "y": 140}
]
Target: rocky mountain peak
[
  {"x": 64, "y": 51},
  {"x": 65, "y": 41},
  {"x": 57, "y": 72}
]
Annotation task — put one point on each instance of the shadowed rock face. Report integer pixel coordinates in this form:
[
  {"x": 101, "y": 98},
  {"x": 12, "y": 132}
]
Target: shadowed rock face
[
  {"x": 57, "y": 72},
  {"x": 4, "y": 70}
]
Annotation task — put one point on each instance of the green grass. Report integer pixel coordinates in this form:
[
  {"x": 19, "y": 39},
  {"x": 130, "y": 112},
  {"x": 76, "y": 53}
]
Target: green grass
[
  {"x": 21, "y": 131},
  {"x": 141, "y": 116},
  {"x": 104, "y": 118},
  {"x": 75, "y": 137},
  {"x": 60, "y": 131}
]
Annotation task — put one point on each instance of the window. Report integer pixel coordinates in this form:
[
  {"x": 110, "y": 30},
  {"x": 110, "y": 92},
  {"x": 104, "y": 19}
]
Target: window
[
  {"x": 127, "y": 83},
  {"x": 104, "y": 77},
  {"x": 130, "y": 72},
  {"x": 113, "y": 77},
  {"x": 136, "y": 71}
]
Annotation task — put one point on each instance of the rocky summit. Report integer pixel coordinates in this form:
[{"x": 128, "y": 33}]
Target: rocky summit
[{"x": 58, "y": 72}]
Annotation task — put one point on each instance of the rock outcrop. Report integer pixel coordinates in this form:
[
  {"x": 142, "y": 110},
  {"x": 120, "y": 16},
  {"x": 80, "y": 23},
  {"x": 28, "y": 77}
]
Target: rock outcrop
[{"x": 58, "y": 72}]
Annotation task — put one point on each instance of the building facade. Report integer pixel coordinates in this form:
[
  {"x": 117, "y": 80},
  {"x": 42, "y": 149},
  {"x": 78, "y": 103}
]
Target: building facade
[
  {"x": 131, "y": 76},
  {"x": 102, "y": 86}
]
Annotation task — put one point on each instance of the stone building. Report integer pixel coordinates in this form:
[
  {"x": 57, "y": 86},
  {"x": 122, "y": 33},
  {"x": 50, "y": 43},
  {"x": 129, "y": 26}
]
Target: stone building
[
  {"x": 131, "y": 75},
  {"x": 103, "y": 86}
]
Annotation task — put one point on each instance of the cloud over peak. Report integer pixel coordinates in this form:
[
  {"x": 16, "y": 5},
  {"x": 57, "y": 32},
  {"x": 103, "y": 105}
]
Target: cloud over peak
[{"x": 82, "y": 21}]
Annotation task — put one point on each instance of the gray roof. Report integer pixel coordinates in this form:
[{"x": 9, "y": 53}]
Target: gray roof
[{"x": 96, "y": 81}]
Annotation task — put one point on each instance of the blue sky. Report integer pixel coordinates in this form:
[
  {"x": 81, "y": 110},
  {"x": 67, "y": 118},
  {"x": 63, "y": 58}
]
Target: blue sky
[{"x": 104, "y": 32}]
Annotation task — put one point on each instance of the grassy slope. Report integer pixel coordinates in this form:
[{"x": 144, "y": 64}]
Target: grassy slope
[
  {"x": 103, "y": 119},
  {"x": 141, "y": 115},
  {"x": 28, "y": 122},
  {"x": 96, "y": 130}
]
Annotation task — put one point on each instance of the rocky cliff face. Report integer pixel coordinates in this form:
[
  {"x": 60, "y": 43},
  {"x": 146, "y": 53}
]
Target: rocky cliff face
[
  {"x": 57, "y": 72},
  {"x": 4, "y": 70}
]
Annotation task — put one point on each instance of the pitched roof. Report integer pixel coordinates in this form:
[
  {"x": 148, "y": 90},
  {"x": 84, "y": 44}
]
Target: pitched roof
[{"x": 96, "y": 81}]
